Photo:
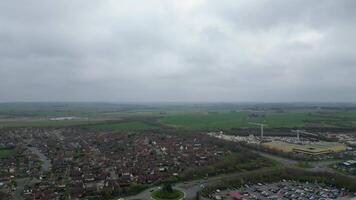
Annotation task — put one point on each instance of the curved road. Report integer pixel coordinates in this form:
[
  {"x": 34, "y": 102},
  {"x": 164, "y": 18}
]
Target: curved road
[
  {"x": 46, "y": 163},
  {"x": 21, "y": 182},
  {"x": 191, "y": 188}
]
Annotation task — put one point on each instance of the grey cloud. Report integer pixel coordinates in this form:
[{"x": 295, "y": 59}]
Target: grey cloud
[{"x": 179, "y": 50}]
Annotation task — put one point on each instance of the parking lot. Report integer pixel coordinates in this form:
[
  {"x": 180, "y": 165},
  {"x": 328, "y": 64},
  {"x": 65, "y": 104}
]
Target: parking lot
[{"x": 283, "y": 190}]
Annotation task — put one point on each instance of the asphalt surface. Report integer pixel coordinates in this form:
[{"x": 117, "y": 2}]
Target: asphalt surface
[
  {"x": 46, "y": 163},
  {"x": 17, "y": 194},
  {"x": 282, "y": 160},
  {"x": 190, "y": 188}
]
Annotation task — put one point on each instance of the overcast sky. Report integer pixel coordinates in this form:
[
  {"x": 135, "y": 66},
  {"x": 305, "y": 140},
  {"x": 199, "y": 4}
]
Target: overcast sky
[{"x": 178, "y": 50}]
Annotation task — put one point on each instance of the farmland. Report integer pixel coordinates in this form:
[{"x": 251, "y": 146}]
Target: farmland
[
  {"x": 181, "y": 116},
  {"x": 273, "y": 120},
  {"x": 125, "y": 126},
  {"x": 41, "y": 123}
]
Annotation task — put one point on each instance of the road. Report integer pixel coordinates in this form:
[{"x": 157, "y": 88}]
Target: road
[
  {"x": 46, "y": 163},
  {"x": 17, "y": 194},
  {"x": 282, "y": 160},
  {"x": 21, "y": 182},
  {"x": 191, "y": 188}
]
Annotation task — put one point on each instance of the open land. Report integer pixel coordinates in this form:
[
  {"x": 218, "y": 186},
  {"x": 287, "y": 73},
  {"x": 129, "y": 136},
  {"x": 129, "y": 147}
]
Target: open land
[{"x": 178, "y": 116}]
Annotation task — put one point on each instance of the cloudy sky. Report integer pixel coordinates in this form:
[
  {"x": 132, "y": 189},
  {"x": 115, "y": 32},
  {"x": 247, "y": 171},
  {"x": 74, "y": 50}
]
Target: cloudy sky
[{"x": 178, "y": 50}]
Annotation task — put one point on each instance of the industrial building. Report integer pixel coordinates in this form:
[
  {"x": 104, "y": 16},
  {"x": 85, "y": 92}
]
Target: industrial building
[{"x": 313, "y": 149}]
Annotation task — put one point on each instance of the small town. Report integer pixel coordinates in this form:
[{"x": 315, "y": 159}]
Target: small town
[
  {"x": 95, "y": 163},
  {"x": 58, "y": 163}
]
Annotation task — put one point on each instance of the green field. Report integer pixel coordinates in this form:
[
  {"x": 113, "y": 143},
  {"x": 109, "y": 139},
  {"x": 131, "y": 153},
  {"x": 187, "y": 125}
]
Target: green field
[
  {"x": 125, "y": 126},
  {"x": 42, "y": 123},
  {"x": 132, "y": 125},
  {"x": 162, "y": 195},
  {"x": 206, "y": 120},
  {"x": 4, "y": 153},
  {"x": 187, "y": 116}
]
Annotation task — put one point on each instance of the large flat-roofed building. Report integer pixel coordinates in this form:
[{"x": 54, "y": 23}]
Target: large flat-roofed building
[
  {"x": 348, "y": 164},
  {"x": 314, "y": 149}
]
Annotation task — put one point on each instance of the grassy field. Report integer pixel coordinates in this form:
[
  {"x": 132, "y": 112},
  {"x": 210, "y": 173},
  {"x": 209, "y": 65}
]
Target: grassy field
[
  {"x": 215, "y": 120},
  {"x": 189, "y": 116},
  {"x": 125, "y": 126},
  {"x": 204, "y": 120},
  {"x": 103, "y": 125},
  {"x": 4, "y": 153},
  {"x": 162, "y": 195},
  {"x": 234, "y": 120},
  {"x": 42, "y": 123}
]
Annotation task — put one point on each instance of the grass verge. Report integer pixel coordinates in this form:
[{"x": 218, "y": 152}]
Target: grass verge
[{"x": 164, "y": 195}]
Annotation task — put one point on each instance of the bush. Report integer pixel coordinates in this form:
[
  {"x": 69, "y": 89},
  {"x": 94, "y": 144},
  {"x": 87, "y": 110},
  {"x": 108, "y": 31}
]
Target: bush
[{"x": 165, "y": 195}]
